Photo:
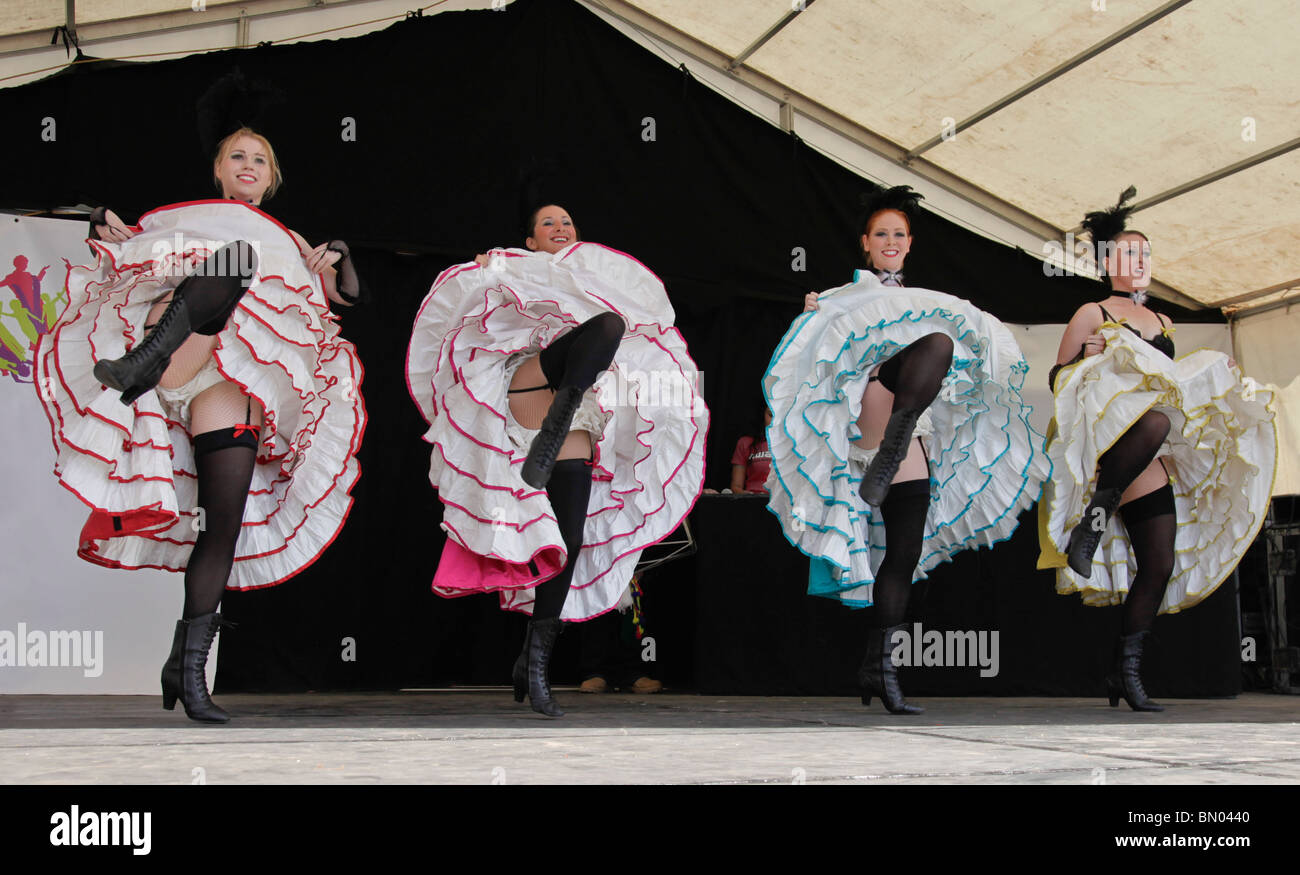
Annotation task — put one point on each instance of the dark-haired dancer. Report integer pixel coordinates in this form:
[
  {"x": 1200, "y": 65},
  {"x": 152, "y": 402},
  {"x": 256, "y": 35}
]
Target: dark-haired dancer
[
  {"x": 230, "y": 450},
  {"x": 553, "y": 483},
  {"x": 1184, "y": 453},
  {"x": 899, "y": 437}
]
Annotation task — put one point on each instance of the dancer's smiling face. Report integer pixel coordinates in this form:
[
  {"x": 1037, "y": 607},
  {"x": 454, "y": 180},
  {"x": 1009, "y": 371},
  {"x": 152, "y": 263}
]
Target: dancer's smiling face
[
  {"x": 1128, "y": 262},
  {"x": 552, "y": 230},
  {"x": 244, "y": 169},
  {"x": 888, "y": 240}
]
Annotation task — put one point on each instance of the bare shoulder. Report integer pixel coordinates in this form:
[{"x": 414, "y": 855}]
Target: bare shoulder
[{"x": 1089, "y": 314}]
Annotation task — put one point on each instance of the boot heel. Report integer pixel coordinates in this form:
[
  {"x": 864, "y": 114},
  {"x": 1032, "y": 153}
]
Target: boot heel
[
  {"x": 866, "y": 698},
  {"x": 171, "y": 670},
  {"x": 519, "y": 674},
  {"x": 104, "y": 373},
  {"x": 152, "y": 379}
]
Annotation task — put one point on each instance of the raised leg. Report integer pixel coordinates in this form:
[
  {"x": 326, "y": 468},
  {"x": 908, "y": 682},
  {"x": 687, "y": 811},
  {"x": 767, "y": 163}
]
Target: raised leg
[
  {"x": 914, "y": 375},
  {"x": 201, "y": 304},
  {"x": 1119, "y": 466},
  {"x": 571, "y": 365}
]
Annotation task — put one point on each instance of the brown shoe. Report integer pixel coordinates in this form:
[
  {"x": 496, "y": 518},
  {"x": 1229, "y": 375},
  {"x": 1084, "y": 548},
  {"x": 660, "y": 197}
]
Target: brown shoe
[
  {"x": 645, "y": 686},
  {"x": 594, "y": 685}
]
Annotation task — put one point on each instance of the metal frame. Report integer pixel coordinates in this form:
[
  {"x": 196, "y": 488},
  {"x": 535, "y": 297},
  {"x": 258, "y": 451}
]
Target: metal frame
[
  {"x": 1262, "y": 308},
  {"x": 683, "y": 547},
  {"x": 217, "y": 12},
  {"x": 1275, "y": 624},
  {"x": 814, "y": 111},
  {"x": 767, "y": 34}
]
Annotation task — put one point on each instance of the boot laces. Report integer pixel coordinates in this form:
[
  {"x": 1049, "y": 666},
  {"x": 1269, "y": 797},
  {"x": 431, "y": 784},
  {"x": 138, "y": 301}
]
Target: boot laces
[{"x": 153, "y": 340}]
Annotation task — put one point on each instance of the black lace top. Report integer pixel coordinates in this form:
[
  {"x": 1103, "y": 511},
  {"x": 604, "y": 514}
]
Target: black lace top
[{"x": 1161, "y": 341}]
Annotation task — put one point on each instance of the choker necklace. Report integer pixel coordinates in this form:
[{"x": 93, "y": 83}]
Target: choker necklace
[{"x": 1138, "y": 297}]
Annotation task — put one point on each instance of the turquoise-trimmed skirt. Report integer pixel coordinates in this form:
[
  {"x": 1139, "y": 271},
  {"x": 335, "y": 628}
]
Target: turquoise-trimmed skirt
[{"x": 987, "y": 463}]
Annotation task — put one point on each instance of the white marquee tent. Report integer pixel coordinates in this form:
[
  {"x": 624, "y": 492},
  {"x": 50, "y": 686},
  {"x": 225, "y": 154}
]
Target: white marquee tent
[{"x": 1013, "y": 116}]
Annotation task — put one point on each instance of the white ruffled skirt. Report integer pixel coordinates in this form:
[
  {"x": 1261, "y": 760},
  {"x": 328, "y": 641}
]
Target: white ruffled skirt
[
  {"x": 645, "y": 414},
  {"x": 986, "y": 461},
  {"x": 134, "y": 466},
  {"x": 1221, "y": 453}
]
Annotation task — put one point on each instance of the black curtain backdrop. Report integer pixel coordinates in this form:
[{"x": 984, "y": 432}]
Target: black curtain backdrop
[
  {"x": 756, "y": 632},
  {"x": 450, "y": 113}
]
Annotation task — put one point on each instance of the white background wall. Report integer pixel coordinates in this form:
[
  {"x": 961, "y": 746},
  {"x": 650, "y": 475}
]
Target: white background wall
[{"x": 1268, "y": 347}]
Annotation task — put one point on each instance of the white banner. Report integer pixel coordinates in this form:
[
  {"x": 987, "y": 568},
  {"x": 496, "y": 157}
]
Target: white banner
[{"x": 66, "y": 626}]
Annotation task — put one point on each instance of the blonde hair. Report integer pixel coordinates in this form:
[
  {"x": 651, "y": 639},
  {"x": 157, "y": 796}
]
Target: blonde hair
[{"x": 224, "y": 146}]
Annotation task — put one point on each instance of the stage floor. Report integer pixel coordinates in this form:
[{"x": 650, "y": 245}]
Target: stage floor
[{"x": 483, "y": 737}]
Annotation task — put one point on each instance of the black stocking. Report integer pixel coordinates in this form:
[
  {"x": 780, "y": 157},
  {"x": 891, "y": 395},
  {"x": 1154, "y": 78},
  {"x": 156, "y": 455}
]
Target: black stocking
[
  {"x": 578, "y": 358},
  {"x": 1133, "y": 452},
  {"x": 214, "y": 288},
  {"x": 1151, "y": 525},
  {"x": 904, "y": 511},
  {"x": 915, "y": 373},
  {"x": 569, "y": 490},
  {"x": 225, "y": 468}
]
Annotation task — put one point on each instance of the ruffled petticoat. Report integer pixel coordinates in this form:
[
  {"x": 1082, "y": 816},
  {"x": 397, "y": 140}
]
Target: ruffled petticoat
[
  {"x": 1221, "y": 453},
  {"x": 134, "y": 466},
  {"x": 476, "y": 325},
  {"x": 986, "y": 461}
]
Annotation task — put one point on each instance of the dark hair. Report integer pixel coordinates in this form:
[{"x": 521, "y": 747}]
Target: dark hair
[
  {"x": 900, "y": 199},
  {"x": 531, "y": 222},
  {"x": 1106, "y": 226}
]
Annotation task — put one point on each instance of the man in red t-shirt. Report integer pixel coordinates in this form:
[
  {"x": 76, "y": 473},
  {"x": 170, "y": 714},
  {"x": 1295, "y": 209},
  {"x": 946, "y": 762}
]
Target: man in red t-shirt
[{"x": 751, "y": 461}]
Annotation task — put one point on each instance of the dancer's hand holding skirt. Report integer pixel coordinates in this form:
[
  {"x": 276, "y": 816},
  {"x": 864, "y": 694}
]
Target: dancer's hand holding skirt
[
  {"x": 1221, "y": 453},
  {"x": 986, "y": 461},
  {"x": 476, "y": 326},
  {"x": 133, "y": 465}
]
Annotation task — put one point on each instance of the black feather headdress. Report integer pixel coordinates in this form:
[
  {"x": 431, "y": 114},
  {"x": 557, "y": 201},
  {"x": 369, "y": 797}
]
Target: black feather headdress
[
  {"x": 233, "y": 102},
  {"x": 899, "y": 197},
  {"x": 1105, "y": 225}
]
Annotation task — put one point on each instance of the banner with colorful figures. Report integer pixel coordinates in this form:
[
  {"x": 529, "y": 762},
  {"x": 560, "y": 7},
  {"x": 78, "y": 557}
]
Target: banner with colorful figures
[{"x": 66, "y": 626}]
